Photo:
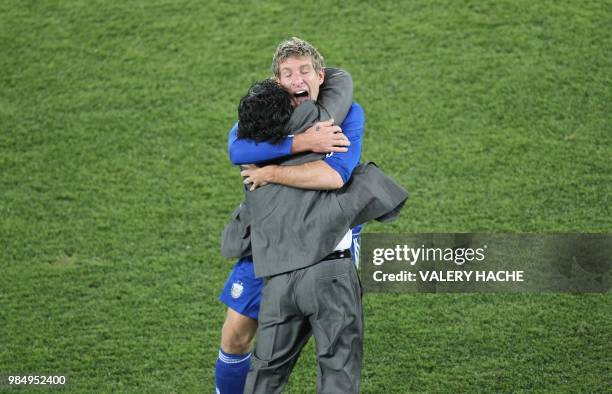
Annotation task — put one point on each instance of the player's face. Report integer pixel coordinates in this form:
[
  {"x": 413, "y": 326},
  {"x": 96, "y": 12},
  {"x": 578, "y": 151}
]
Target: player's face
[{"x": 299, "y": 78}]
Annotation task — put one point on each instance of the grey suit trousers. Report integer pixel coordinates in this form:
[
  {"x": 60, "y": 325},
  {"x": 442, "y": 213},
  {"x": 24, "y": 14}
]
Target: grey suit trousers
[{"x": 322, "y": 300}]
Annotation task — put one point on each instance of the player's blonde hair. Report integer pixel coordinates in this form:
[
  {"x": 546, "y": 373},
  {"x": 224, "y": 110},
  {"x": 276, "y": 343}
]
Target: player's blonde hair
[{"x": 296, "y": 47}]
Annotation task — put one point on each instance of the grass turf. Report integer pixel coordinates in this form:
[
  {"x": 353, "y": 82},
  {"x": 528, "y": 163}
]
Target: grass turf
[{"x": 115, "y": 182}]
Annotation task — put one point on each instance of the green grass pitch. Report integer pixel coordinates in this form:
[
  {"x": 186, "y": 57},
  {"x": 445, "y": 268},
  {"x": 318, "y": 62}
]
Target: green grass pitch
[{"x": 115, "y": 183}]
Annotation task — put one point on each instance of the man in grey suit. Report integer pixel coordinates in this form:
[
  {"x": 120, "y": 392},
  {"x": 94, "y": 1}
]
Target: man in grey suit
[{"x": 279, "y": 342}]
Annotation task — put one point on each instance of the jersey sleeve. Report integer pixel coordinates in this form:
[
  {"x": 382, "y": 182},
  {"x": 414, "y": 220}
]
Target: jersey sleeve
[
  {"x": 345, "y": 162},
  {"x": 246, "y": 151}
]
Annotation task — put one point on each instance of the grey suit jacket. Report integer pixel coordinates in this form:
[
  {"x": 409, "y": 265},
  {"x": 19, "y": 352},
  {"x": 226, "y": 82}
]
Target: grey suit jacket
[{"x": 286, "y": 228}]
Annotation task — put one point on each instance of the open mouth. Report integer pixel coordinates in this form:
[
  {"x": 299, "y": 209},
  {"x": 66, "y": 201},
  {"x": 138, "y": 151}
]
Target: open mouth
[
  {"x": 299, "y": 97},
  {"x": 300, "y": 94}
]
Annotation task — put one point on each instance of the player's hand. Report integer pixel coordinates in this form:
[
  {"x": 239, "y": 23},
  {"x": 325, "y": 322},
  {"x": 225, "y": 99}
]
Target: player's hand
[
  {"x": 255, "y": 176},
  {"x": 322, "y": 137}
]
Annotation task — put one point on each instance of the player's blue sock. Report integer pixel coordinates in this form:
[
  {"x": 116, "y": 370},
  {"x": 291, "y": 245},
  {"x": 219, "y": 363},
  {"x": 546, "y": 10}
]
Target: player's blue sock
[{"x": 231, "y": 372}]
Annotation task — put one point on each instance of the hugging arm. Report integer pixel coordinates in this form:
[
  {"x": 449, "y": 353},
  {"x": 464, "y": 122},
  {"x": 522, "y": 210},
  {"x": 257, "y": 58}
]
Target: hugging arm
[{"x": 327, "y": 174}]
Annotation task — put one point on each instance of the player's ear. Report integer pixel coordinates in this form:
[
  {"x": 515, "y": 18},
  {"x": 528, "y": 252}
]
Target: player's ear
[{"x": 321, "y": 75}]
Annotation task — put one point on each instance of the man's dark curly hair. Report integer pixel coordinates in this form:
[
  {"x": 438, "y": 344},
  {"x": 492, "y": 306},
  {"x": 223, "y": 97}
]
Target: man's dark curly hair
[{"x": 264, "y": 111}]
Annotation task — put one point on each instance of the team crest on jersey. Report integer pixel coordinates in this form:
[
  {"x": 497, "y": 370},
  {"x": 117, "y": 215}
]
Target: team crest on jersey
[{"x": 237, "y": 289}]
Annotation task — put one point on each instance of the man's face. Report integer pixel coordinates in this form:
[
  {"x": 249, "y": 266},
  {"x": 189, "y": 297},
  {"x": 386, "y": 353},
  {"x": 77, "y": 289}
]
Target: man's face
[{"x": 299, "y": 78}]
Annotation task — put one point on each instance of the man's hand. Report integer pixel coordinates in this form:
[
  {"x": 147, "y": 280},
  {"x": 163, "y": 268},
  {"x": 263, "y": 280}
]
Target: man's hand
[
  {"x": 257, "y": 176},
  {"x": 322, "y": 137}
]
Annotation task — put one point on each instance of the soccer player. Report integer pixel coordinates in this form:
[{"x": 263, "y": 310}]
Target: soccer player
[{"x": 298, "y": 67}]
